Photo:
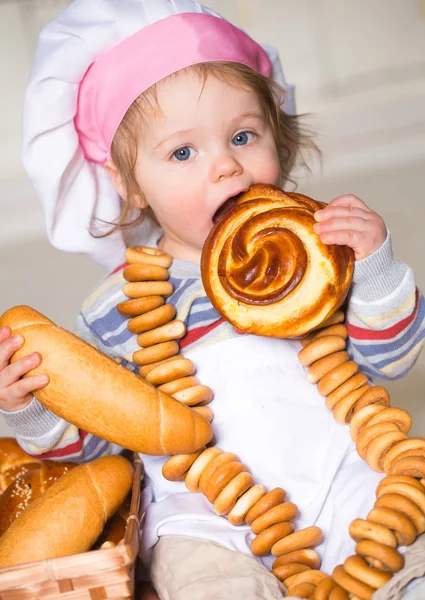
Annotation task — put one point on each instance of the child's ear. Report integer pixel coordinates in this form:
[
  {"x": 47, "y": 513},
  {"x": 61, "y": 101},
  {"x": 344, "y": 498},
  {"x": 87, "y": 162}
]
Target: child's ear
[{"x": 137, "y": 200}]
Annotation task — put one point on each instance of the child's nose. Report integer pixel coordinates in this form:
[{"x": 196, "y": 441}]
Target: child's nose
[{"x": 225, "y": 166}]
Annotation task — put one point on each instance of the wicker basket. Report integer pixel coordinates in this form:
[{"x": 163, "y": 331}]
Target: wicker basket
[{"x": 94, "y": 575}]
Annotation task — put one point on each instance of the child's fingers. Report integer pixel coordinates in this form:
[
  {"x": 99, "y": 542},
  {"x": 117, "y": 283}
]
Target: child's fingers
[
  {"x": 334, "y": 212},
  {"x": 26, "y": 386},
  {"x": 342, "y": 224},
  {"x": 8, "y": 346},
  {"x": 5, "y": 333},
  {"x": 343, "y": 237},
  {"x": 14, "y": 371},
  {"x": 349, "y": 200}
]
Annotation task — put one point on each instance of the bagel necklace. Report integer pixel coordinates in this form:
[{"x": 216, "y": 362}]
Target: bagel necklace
[{"x": 259, "y": 259}]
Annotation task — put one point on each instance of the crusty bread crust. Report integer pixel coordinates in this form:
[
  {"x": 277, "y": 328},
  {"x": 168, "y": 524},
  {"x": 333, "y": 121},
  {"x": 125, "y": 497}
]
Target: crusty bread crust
[{"x": 93, "y": 392}]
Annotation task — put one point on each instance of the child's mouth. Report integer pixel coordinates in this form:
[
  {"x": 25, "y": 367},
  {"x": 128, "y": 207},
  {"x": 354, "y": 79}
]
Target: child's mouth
[{"x": 225, "y": 208}]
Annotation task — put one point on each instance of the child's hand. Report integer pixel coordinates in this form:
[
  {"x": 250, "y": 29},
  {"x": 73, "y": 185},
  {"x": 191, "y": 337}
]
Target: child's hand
[
  {"x": 16, "y": 393},
  {"x": 348, "y": 221}
]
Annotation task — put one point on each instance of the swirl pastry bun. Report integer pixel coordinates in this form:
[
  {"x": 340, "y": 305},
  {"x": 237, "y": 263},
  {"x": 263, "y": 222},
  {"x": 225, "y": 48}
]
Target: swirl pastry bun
[{"x": 267, "y": 272}]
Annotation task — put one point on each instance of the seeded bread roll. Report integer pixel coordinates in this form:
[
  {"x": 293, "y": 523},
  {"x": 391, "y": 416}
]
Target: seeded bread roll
[
  {"x": 69, "y": 517},
  {"x": 26, "y": 488},
  {"x": 14, "y": 462}
]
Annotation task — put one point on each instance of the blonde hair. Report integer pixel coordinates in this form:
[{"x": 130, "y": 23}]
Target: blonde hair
[{"x": 292, "y": 140}]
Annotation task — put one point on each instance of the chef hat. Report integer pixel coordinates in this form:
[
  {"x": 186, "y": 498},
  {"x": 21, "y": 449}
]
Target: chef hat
[{"x": 91, "y": 63}]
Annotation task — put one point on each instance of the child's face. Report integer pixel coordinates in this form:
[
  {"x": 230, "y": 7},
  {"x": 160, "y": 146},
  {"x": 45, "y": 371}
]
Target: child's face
[{"x": 202, "y": 145}]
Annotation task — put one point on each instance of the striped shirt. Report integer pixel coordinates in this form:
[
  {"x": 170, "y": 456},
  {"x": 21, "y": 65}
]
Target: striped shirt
[{"x": 385, "y": 321}]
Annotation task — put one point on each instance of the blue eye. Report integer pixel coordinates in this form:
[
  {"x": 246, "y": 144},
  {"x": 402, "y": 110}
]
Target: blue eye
[
  {"x": 184, "y": 153},
  {"x": 243, "y": 138}
]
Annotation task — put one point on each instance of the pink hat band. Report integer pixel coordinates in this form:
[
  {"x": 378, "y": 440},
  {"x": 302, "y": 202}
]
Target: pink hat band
[{"x": 117, "y": 78}]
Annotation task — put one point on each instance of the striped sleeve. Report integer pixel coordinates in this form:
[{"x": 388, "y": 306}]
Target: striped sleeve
[
  {"x": 67, "y": 444},
  {"x": 385, "y": 318}
]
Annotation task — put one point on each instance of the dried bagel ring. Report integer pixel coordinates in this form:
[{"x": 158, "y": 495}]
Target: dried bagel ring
[
  {"x": 228, "y": 497},
  {"x": 368, "y": 433},
  {"x": 331, "y": 381},
  {"x": 338, "y": 593},
  {"x": 405, "y": 506},
  {"x": 244, "y": 504},
  {"x": 306, "y": 556},
  {"x": 412, "y": 492},
  {"x": 357, "y": 567},
  {"x": 175, "y": 385},
  {"x": 408, "y": 447},
  {"x": 176, "y": 467},
  {"x": 375, "y": 394},
  {"x": 145, "y": 273},
  {"x": 198, "y": 394},
  {"x": 337, "y": 329},
  {"x": 174, "y": 330},
  {"x": 273, "y": 498},
  {"x": 287, "y": 570},
  {"x": 361, "y": 529},
  {"x": 402, "y": 526},
  {"x": 302, "y": 590},
  {"x": 286, "y": 511},
  {"x": 361, "y": 418},
  {"x": 390, "y": 559},
  {"x": 379, "y": 446},
  {"x": 403, "y": 479},
  {"x": 409, "y": 465},
  {"x": 352, "y": 584},
  {"x": 319, "y": 368},
  {"x": 394, "y": 415},
  {"x": 221, "y": 477},
  {"x": 167, "y": 371},
  {"x": 146, "y": 255},
  {"x": 211, "y": 468},
  {"x": 154, "y": 318},
  {"x": 345, "y": 408},
  {"x": 146, "y": 369},
  {"x": 304, "y": 538},
  {"x": 263, "y": 543},
  {"x": 358, "y": 380},
  {"x": 204, "y": 411},
  {"x": 139, "y": 306},
  {"x": 155, "y": 353},
  {"x": 199, "y": 466},
  {"x": 324, "y": 589},
  {"x": 320, "y": 348},
  {"x": 141, "y": 289},
  {"x": 311, "y": 576}
]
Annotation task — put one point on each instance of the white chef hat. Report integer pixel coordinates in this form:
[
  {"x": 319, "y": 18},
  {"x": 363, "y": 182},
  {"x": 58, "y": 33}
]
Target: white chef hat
[{"x": 91, "y": 63}]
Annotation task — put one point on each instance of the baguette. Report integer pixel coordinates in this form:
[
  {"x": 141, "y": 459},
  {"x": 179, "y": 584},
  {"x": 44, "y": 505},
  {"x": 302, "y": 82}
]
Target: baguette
[
  {"x": 93, "y": 392},
  {"x": 69, "y": 517}
]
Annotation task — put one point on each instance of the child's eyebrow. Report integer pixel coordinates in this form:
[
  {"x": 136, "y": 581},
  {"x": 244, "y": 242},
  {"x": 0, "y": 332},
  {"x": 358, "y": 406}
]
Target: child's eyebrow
[
  {"x": 255, "y": 115},
  {"x": 172, "y": 135}
]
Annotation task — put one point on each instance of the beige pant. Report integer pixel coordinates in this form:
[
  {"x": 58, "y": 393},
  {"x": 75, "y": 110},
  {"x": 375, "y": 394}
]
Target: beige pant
[{"x": 188, "y": 568}]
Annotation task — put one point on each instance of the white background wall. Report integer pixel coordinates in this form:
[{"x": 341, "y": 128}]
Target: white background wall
[{"x": 359, "y": 68}]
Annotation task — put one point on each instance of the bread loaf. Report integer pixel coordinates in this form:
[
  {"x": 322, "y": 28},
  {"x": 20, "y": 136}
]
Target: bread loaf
[
  {"x": 70, "y": 515},
  {"x": 14, "y": 462},
  {"x": 265, "y": 269},
  {"x": 27, "y": 487},
  {"x": 93, "y": 392}
]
